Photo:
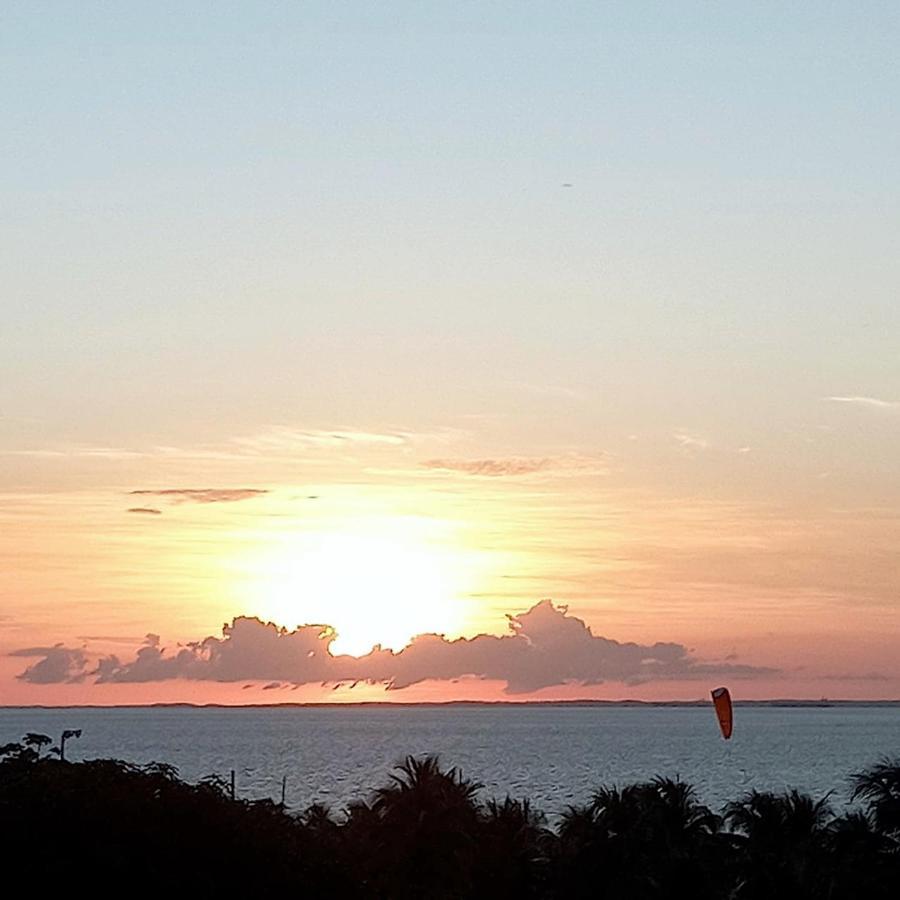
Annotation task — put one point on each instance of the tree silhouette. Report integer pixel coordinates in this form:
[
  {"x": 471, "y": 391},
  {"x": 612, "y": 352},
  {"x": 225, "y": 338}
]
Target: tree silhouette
[
  {"x": 860, "y": 859},
  {"x": 782, "y": 844},
  {"x": 645, "y": 840},
  {"x": 426, "y": 835},
  {"x": 880, "y": 787},
  {"x": 428, "y": 821},
  {"x": 36, "y": 742},
  {"x": 513, "y": 847}
]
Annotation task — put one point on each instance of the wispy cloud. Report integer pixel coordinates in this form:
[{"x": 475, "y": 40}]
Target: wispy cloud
[
  {"x": 869, "y": 402},
  {"x": 690, "y": 443},
  {"x": 287, "y": 439},
  {"x": 129, "y": 640},
  {"x": 106, "y": 453},
  {"x": 862, "y": 676},
  {"x": 518, "y": 465},
  {"x": 278, "y": 442},
  {"x": 550, "y": 390},
  {"x": 492, "y": 468},
  {"x": 146, "y": 510},
  {"x": 198, "y": 495}
]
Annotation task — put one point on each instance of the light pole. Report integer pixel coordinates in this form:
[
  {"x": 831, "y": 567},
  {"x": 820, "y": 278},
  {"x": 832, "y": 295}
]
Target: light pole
[{"x": 68, "y": 733}]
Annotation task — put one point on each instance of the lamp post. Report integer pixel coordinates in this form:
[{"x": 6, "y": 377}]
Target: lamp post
[{"x": 68, "y": 733}]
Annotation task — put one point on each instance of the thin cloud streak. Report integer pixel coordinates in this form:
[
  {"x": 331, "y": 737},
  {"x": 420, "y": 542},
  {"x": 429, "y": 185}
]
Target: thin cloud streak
[
  {"x": 518, "y": 465},
  {"x": 286, "y": 439},
  {"x": 106, "y": 453},
  {"x": 690, "y": 443},
  {"x": 273, "y": 443},
  {"x": 870, "y": 402},
  {"x": 491, "y": 468},
  {"x": 200, "y": 495}
]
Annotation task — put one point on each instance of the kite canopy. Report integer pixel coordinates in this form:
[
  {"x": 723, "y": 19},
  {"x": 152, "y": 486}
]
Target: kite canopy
[{"x": 722, "y": 702}]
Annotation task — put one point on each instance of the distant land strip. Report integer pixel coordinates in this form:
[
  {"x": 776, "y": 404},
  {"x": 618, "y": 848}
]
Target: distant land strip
[{"x": 387, "y": 704}]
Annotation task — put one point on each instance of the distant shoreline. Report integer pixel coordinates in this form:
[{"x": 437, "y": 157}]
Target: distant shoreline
[{"x": 781, "y": 703}]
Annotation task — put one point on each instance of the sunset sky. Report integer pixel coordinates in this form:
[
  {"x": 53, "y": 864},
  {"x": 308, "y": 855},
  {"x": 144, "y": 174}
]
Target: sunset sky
[{"x": 403, "y": 318}]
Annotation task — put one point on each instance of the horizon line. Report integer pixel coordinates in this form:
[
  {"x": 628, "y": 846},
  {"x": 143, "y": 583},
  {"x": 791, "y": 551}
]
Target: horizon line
[{"x": 784, "y": 702}]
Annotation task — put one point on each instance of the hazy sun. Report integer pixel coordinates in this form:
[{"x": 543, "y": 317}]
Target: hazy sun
[{"x": 374, "y": 588}]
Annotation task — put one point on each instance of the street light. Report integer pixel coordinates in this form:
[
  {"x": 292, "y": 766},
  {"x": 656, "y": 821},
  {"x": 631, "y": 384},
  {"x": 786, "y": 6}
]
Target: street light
[{"x": 68, "y": 733}]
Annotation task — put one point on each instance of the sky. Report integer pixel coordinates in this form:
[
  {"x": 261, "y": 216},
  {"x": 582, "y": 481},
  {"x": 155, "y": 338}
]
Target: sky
[{"x": 549, "y": 349}]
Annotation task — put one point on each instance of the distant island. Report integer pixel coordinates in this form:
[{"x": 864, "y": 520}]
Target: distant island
[{"x": 786, "y": 703}]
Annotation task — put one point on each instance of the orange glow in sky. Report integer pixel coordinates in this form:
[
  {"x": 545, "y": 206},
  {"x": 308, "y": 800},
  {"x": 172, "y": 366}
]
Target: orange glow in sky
[{"x": 400, "y": 325}]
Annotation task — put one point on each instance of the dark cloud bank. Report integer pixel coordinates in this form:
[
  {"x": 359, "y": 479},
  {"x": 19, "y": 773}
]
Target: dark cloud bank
[
  {"x": 545, "y": 647},
  {"x": 56, "y": 664}
]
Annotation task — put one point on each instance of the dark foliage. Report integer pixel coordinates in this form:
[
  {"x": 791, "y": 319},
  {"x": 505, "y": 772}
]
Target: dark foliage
[
  {"x": 105, "y": 825},
  {"x": 641, "y": 841}
]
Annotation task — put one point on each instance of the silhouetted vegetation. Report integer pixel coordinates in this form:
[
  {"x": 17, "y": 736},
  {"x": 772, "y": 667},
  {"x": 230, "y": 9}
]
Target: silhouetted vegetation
[{"x": 105, "y": 825}]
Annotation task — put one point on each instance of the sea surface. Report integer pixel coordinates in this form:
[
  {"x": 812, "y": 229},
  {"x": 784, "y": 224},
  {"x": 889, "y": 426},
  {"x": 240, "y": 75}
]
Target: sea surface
[{"x": 555, "y": 755}]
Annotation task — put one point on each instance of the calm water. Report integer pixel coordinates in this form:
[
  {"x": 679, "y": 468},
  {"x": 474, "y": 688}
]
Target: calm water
[{"x": 554, "y": 755}]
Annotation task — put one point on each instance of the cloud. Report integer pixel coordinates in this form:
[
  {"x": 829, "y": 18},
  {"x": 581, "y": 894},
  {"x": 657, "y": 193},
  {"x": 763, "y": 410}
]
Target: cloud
[
  {"x": 491, "y": 468},
  {"x": 131, "y": 640},
  {"x": 550, "y": 390},
  {"x": 870, "y": 402},
  {"x": 517, "y": 465},
  {"x": 284, "y": 443},
  {"x": 863, "y": 676},
  {"x": 58, "y": 665},
  {"x": 690, "y": 443},
  {"x": 545, "y": 647},
  {"x": 198, "y": 495},
  {"x": 105, "y": 453},
  {"x": 146, "y": 510},
  {"x": 295, "y": 439}
]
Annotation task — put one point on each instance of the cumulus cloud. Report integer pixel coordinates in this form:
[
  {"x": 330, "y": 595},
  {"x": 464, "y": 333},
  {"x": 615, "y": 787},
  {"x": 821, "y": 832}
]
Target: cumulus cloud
[
  {"x": 57, "y": 665},
  {"x": 516, "y": 465},
  {"x": 870, "y": 402},
  {"x": 198, "y": 495},
  {"x": 545, "y": 647}
]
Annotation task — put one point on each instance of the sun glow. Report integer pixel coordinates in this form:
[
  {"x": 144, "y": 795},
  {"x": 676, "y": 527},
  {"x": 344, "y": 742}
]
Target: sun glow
[{"x": 379, "y": 587}]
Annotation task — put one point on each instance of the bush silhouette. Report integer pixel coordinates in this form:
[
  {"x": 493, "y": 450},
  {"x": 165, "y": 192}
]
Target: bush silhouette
[{"x": 427, "y": 834}]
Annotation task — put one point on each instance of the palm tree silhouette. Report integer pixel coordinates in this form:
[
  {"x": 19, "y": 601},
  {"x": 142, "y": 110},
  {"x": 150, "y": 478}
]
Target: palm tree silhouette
[
  {"x": 880, "y": 786},
  {"x": 513, "y": 846},
  {"x": 652, "y": 839},
  {"x": 781, "y": 842},
  {"x": 427, "y": 827},
  {"x": 862, "y": 858}
]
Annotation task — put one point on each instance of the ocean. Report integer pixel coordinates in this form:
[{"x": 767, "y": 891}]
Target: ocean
[{"x": 554, "y": 754}]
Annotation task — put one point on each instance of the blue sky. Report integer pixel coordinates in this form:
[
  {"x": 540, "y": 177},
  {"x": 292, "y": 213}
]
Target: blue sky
[{"x": 365, "y": 181}]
